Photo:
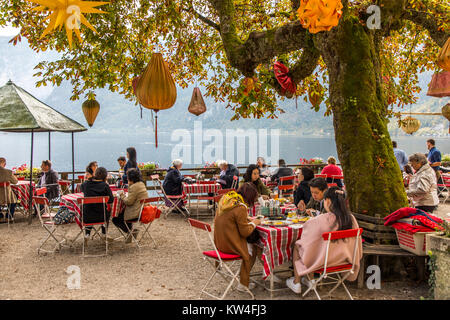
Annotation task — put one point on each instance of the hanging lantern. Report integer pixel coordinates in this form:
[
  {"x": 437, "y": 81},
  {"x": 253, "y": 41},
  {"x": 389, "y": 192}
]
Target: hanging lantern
[
  {"x": 90, "y": 110},
  {"x": 319, "y": 15},
  {"x": 443, "y": 59},
  {"x": 410, "y": 125},
  {"x": 68, "y": 13},
  {"x": 156, "y": 89},
  {"x": 197, "y": 105},
  {"x": 439, "y": 85},
  {"x": 446, "y": 113},
  {"x": 282, "y": 75}
]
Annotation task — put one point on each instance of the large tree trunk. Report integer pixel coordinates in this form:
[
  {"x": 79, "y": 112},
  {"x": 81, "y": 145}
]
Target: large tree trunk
[{"x": 372, "y": 175}]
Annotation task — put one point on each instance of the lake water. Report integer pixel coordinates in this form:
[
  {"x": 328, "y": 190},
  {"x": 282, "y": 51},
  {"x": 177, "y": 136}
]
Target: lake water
[{"x": 107, "y": 147}]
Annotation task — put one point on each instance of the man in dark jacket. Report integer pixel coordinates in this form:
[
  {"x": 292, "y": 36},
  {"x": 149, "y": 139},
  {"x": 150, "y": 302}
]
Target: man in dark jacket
[
  {"x": 227, "y": 174},
  {"x": 282, "y": 171},
  {"x": 49, "y": 179}
]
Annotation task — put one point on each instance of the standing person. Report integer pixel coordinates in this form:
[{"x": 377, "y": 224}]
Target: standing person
[
  {"x": 434, "y": 158},
  {"x": 7, "y": 196},
  {"x": 310, "y": 251},
  {"x": 49, "y": 179},
  {"x": 400, "y": 155},
  {"x": 96, "y": 187},
  {"x": 332, "y": 170},
  {"x": 227, "y": 174},
  {"x": 131, "y": 163},
  {"x": 302, "y": 194},
  {"x": 282, "y": 171},
  {"x": 423, "y": 185},
  {"x": 252, "y": 175}
]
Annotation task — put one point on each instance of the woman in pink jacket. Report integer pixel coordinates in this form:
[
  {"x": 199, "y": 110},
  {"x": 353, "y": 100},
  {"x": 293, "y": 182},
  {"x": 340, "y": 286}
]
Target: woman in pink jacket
[{"x": 310, "y": 250}]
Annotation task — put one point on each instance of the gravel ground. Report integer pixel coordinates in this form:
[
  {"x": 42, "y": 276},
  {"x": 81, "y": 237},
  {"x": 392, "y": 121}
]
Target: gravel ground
[{"x": 175, "y": 270}]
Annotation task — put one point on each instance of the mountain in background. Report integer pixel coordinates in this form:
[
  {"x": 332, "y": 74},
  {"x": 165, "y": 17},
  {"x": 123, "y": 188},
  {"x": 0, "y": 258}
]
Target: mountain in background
[{"x": 120, "y": 115}]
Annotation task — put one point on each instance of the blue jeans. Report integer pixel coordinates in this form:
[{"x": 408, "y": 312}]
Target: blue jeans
[{"x": 12, "y": 209}]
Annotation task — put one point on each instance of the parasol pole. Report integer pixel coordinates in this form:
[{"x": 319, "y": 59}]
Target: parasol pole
[
  {"x": 73, "y": 165},
  {"x": 30, "y": 200},
  {"x": 49, "y": 146}
]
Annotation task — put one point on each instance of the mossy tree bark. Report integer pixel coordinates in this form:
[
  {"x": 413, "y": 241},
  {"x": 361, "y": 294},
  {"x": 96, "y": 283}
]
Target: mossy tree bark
[{"x": 372, "y": 175}]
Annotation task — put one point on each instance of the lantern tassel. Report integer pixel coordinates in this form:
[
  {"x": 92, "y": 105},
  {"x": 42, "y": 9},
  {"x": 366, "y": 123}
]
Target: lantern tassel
[{"x": 156, "y": 131}]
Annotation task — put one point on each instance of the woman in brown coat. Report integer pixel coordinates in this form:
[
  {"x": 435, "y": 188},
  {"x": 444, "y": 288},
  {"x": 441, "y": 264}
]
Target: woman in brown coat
[{"x": 232, "y": 227}]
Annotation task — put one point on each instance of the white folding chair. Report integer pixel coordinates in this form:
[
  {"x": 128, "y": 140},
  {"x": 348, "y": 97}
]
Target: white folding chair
[
  {"x": 218, "y": 260},
  {"x": 95, "y": 226},
  {"x": 173, "y": 201},
  {"x": 235, "y": 182},
  {"x": 444, "y": 188},
  {"x": 145, "y": 230},
  {"x": 334, "y": 272},
  {"x": 47, "y": 223}
]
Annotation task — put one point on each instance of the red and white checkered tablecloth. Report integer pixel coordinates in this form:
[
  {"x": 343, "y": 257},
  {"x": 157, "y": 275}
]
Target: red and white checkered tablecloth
[
  {"x": 70, "y": 201},
  {"x": 22, "y": 191},
  {"x": 277, "y": 244},
  {"x": 196, "y": 188},
  {"x": 254, "y": 211},
  {"x": 111, "y": 186}
]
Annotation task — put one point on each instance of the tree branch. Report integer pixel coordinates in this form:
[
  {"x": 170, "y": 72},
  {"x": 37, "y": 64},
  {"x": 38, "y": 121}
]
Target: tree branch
[
  {"x": 260, "y": 47},
  {"x": 203, "y": 18},
  {"x": 428, "y": 22}
]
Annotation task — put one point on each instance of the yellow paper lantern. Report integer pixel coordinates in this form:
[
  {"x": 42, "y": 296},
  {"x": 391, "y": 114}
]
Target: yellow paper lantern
[
  {"x": 410, "y": 125},
  {"x": 156, "y": 88},
  {"x": 90, "y": 110},
  {"x": 319, "y": 15},
  {"x": 68, "y": 13}
]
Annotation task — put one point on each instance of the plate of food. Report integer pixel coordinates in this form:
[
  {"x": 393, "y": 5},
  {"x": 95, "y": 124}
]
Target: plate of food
[{"x": 276, "y": 223}]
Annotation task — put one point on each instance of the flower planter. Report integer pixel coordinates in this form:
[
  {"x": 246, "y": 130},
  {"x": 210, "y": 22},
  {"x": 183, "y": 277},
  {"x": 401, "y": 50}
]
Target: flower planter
[{"x": 440, "y": 249}]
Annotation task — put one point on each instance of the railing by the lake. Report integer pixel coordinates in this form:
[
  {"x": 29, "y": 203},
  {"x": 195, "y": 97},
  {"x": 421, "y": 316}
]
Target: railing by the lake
[{"x": 206, "y": 172}]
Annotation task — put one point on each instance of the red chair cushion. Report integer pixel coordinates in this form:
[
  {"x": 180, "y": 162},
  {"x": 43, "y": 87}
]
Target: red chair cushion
[
  {"x": 223, "y": 256},
  {"x": 342, "y": 267}
]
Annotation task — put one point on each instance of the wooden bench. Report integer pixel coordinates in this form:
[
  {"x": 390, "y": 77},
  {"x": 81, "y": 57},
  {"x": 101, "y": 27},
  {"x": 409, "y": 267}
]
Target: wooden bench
[{"x": 378, "y": 250}]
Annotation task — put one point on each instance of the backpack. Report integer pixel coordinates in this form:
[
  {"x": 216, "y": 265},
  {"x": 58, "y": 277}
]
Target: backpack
[{"x": 64, "y": 216}]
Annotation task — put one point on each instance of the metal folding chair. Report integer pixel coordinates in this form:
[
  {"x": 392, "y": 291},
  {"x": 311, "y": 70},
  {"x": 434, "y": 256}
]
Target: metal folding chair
[
  {"x": 445, "y": 187},
  {"x": 145, "y": 232},
  {"x": 334, "y": 272},
  {"x": 174, "y": 201},
  {"x": 235, "y": 183},
  {"x": 50, "y": 226},
  {"x": 320, "y": 176},
  {"x": 288, "y": 188},
  {"x": 96, "y": 226},
  {"x": 218, "y": 260}
]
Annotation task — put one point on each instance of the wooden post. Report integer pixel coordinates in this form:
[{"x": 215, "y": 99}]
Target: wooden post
[{"x": 30, "y": 201}]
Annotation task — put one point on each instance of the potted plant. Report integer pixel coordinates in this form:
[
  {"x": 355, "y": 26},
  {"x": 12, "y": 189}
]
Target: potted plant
[
  {"x": 147, "y": 168},
  {"x": 445, "y": 160},
  {"x": 210, "y": 169},
  {"x": 24, "y": 172},
  {"x": 438, "y": 248}
]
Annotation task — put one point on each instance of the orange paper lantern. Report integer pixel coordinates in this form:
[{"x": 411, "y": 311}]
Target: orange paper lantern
[
  {"x": 197, "y": 105},
  {"x": 443, "y": 60},
  {"x": 90, "y": 110},
  {"x": 156, "y": 88},
  {"x": 319, "y": 15}
]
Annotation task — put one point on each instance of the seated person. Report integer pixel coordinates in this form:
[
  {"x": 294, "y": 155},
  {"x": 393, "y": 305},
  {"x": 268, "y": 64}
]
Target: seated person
[
  {"x": 137, "y": 191},
  {"x": 282, "y": 171},
  {"x": 90, "y": 170},
  {"x": 49, "y": 179},
  {"x": 173, "y": 183},
  {"x": 232, "y": 227},
  {"x": 252, "y": 175},
  {"x": 264, "y": 171},
  {"x": 227, "y": 174},
  {"x": 310, "y": 250},
  {"x": 302, "y": 194},
  {"x": 10, "y": 200},
  {"x": 96, "y": 187},
  {"x": 317, "y": 186},
  {"x": 122, "y": 162},
  {"x": 333, "y": 170}
]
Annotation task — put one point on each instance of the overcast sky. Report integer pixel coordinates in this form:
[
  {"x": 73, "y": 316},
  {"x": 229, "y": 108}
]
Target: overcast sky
[{"x": 8, "y": 31}]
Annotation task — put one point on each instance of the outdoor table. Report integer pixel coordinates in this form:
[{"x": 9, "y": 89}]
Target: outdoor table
[
  {"x": 113, "y": 188},
  {"x": 22, "y": 191},
  {"x": 254, "y": 211},
  {"x": 200, "y": 188},
  {"x": 277, "y": 245},
  {"x": 70, "y": 202}
]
